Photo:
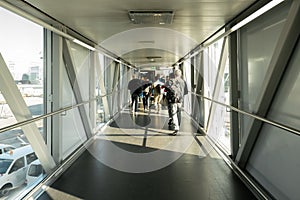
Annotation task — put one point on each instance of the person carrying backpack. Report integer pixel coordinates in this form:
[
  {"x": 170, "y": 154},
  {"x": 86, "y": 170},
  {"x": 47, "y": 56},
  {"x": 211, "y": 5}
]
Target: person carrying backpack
[
  {"x": 175, "y": 94},
  {"x": 135, "y": 87}
]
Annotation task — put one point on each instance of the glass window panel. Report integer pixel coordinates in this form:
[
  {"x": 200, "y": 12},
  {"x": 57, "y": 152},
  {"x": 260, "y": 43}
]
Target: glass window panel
[
  {"x": 100, "y": 119},
  {"x": 81, "y": 58},
  {"x": 257, "y": 43},
  {"x": 274, "y": 161},
  {"x": 224, "y": 95},
  {"x": 22, "y": 52},
  {"x": 17, "y": 155},
  {"x": 187, "y": 76},
  {"x": 72, "y": 127}
]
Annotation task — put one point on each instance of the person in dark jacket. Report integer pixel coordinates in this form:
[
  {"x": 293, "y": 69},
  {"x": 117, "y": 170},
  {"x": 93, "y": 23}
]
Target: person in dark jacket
[
  {"x": 146, "y": 93},
  {"x": 135, "y": 87}
]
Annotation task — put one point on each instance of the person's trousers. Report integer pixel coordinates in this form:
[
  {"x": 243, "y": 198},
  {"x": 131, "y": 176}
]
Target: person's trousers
[
  {"x": 146, "y": 101},
  {"x": 157, "y": 99},
  {"x": 176, "y": 115},
  {"x": 134, "y": 102}
]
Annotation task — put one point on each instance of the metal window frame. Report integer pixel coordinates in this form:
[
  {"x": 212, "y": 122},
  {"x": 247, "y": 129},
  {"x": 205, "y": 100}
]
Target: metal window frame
[
  {"x": 279, "y": 62},
  {"x": 70, "y": 68},
  {"x": 234, "y": 95},
  {"x": 115, "y": 82},
  {"x": 21, "y": 112},
  {"x": 55, "y": 64},
  {"x": 218, "y": 79},
  {"x": 101, "y": 80},
  {"x": 200, "y": 90},
  {"x": 47, "y": 86},
  {"x": 92, "y": 88}
]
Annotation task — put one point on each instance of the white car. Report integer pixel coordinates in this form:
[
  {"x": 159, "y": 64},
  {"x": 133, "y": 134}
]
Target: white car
[
  {"x": 4, "y": 148},
  {"x": 35, "y": 173},
  {"x": 13, "y": 168}
]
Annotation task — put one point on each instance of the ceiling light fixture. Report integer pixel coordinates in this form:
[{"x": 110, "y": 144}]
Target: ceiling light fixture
[
  {"x": 256, "y": 14},
  {"x": 151, "y": 16},
  {"x": 146, "y": 42},
  {"x": 84, "y": 44}
]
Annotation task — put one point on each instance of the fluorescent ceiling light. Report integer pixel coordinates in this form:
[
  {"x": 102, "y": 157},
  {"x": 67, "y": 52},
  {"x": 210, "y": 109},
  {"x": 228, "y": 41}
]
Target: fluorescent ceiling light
[
  {"x": 165, "y": 68},
  {"x": 256, "y": 14},
  {"x": 84, "y": 44}
]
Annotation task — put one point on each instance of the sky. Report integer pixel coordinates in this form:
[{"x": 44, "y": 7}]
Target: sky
[{"x": 21, "y": 41}]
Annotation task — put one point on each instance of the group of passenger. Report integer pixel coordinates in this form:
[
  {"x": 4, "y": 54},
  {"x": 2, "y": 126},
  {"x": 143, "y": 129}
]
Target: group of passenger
[{"x": 172, "y": 90}]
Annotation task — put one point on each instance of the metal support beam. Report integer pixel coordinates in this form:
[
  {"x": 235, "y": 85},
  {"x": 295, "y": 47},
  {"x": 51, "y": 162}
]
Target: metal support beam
[
  {"x": 116, "y": 85},
  {"x": 200, "y": 89},
  {"x": 234, "y": 116},
  {"x": 281, "y": 56},
  {"x": 108, "y": 75},
  {"x": 192, "y": 73},
  {"x": 47, "y": 86},
  {"x": 100, "y": 77},
  {"x": 116, "y": 74},
  {"x": 75, "y": 87},
  {"x": 55, "y": 64},
  {"x": 193, "y": 88},
  {"x": 219, "y": 78},
  {"x": 21, "y": 112},
  {"x": 92, "y": 88}
]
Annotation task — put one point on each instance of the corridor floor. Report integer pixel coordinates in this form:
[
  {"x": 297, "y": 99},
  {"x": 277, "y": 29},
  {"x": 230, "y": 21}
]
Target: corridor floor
[{"x": 134, "y": 158}]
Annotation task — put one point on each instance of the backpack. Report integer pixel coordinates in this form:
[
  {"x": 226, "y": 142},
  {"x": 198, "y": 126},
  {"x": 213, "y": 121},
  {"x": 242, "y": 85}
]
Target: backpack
[
  {"x": 157, "y": 89},
  {"x": 174, "y": 94},
  {"x": 177, "y": 91}
]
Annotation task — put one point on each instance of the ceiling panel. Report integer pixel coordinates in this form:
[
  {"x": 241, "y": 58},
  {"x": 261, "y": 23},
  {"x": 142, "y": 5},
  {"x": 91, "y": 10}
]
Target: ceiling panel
[{"x": 106, "y": 22}]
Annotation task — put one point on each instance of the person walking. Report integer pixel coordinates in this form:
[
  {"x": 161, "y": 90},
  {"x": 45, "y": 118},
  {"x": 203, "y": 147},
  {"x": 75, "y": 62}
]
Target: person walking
[
  {"x": 146, "y": 93},
  {"x": 135, "y": 87},
  {"x": 157, "y": 93},
  {"x": 175, "y": 93}
]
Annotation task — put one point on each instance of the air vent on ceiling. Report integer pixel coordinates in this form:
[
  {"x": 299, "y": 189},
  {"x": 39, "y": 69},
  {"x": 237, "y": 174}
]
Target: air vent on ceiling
[
  {"x": 151, "y": 16},
  {"x": 153, "y": 57},
  {"x": 146, "y": 42}
]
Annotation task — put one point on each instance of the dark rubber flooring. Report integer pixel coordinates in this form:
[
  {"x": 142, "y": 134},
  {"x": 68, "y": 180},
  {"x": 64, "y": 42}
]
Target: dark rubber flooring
[{"x": 188, "y": 178}]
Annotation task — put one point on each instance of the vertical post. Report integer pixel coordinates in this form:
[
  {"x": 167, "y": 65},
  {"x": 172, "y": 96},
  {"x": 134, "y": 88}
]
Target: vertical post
[
  {"x": 56, "y": 66},
  {"x": 234, "y": 117},
  {"x": 92, "y": 89}
]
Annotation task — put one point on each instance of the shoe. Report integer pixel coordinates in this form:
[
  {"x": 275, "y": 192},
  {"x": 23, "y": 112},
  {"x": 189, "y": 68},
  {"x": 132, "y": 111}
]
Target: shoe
[{"x": 174, "y": 133}]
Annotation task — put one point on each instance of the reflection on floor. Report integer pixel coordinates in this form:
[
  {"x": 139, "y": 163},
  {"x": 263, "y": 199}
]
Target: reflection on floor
[{"x": 135, "y": 158}]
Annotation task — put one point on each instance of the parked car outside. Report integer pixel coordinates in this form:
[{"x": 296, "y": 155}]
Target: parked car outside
[
  {"x": 4, "y": 148},
  {"x": 35, "y": 173},
  {"x": 13, "y": 168}
]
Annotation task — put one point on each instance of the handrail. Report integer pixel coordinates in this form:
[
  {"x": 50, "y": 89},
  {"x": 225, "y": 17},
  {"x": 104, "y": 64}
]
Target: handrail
[
  {"x": 29, "y": 121},
  {"x": 279, "y": 125}
]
